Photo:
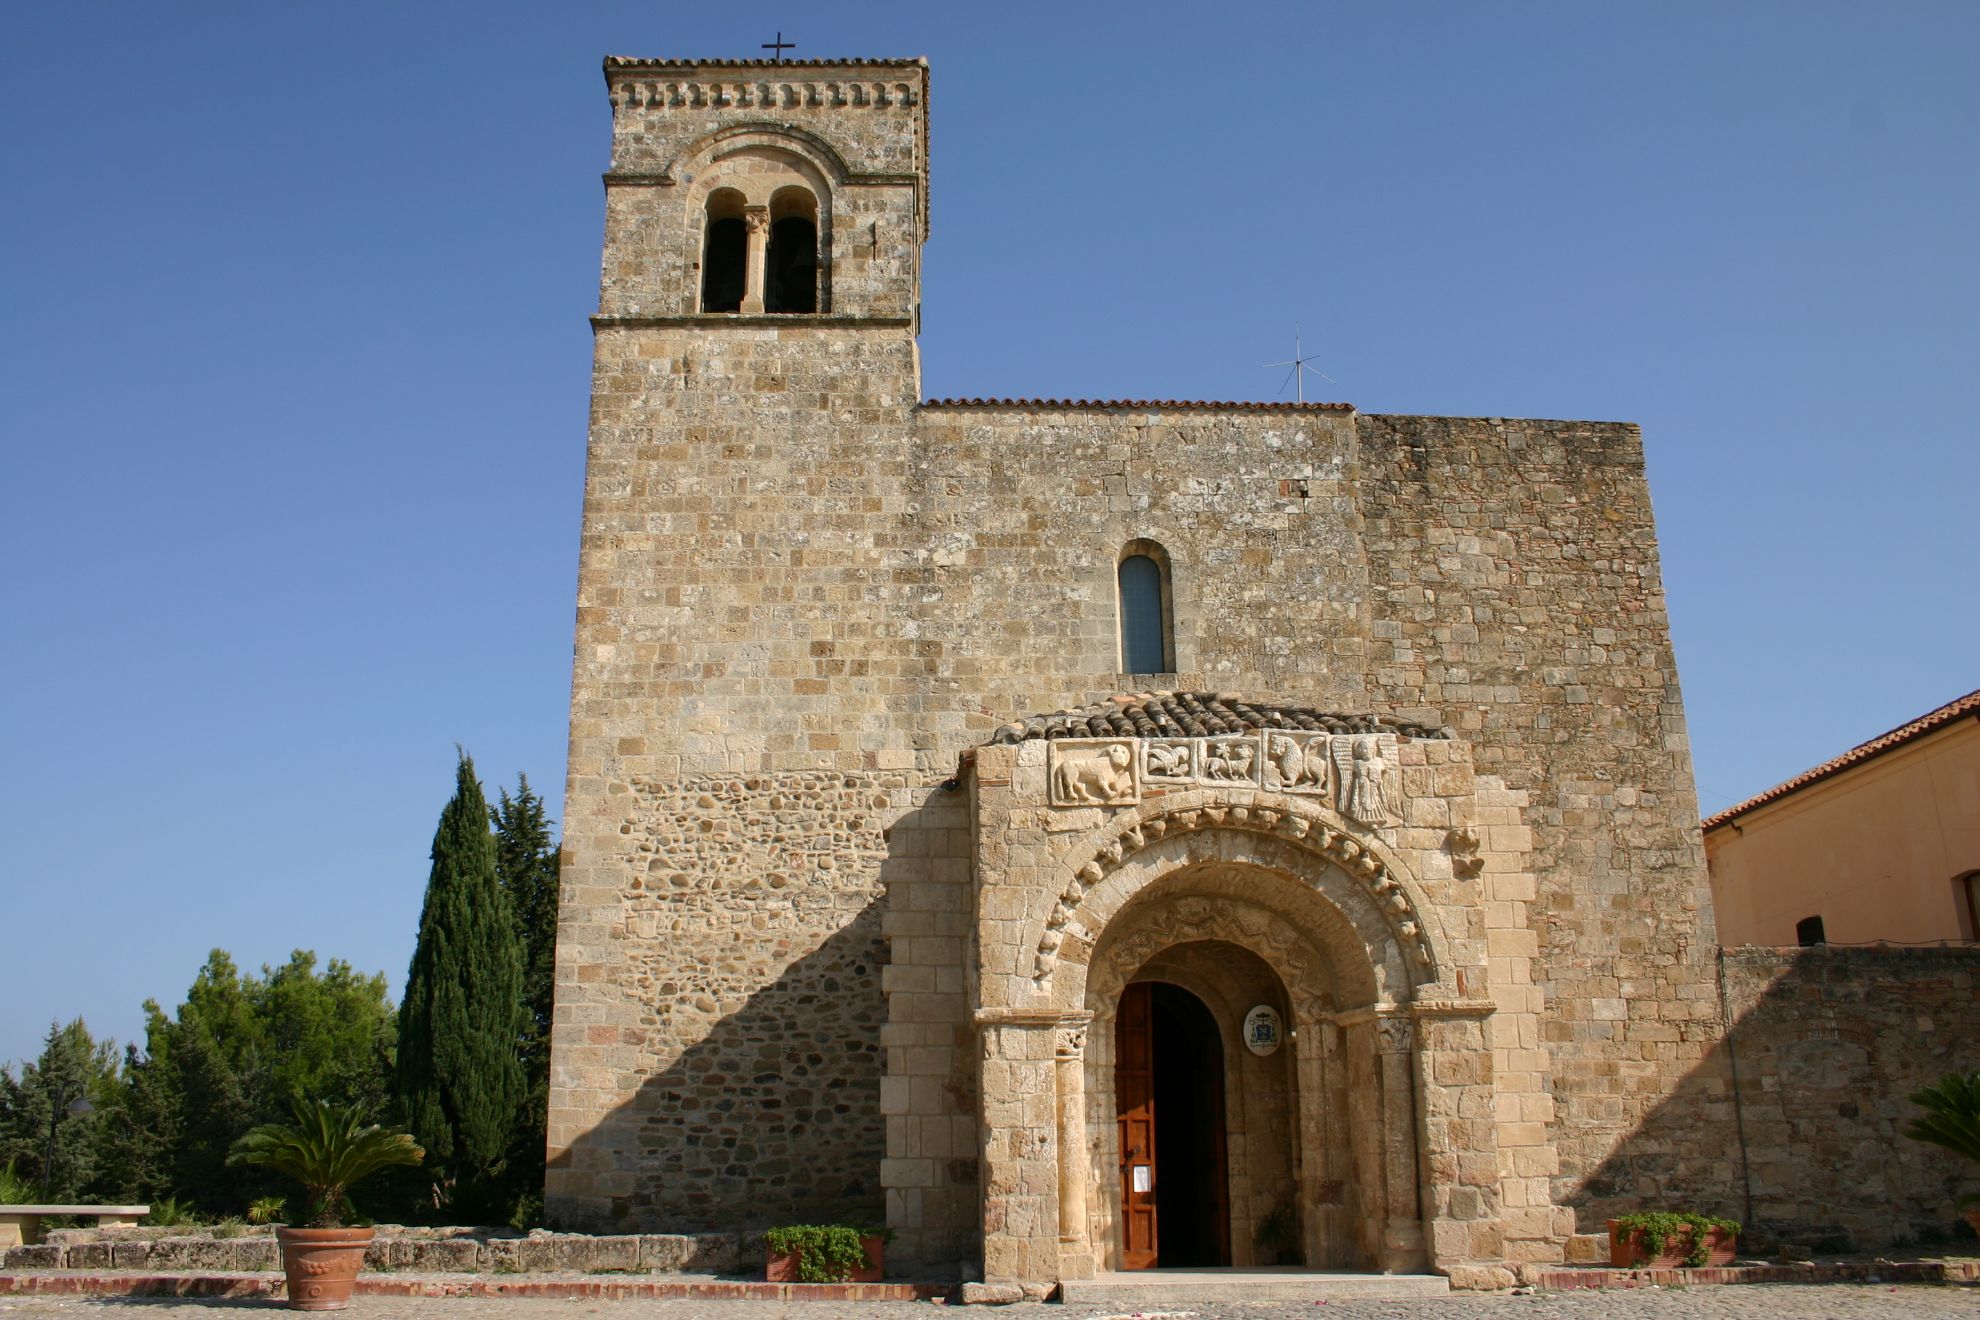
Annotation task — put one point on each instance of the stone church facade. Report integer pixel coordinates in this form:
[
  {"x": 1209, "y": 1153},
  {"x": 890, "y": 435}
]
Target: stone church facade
[{"x": 892, "y": 894}]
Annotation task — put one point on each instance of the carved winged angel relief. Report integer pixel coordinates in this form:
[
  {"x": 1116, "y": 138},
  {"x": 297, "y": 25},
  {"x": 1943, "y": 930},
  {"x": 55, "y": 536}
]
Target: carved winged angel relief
[{"x": 1362, "y": 774}]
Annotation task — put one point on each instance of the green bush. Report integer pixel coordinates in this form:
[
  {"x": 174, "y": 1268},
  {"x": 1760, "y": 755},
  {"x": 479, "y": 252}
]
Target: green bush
[
  {"x": 826, "y": 1253},
  {"x": 1951, "y": 1119},
  {"x": 1667, "y": 1232},
  {"x": 14, "y": 1189},
  {"x": 170, "y": 1212}
]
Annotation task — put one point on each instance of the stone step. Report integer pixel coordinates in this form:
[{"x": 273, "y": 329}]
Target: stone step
[{"x": 1164, "y": 1287}]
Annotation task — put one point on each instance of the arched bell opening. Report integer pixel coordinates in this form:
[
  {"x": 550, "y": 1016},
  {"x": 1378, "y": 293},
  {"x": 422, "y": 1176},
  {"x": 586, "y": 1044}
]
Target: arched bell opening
[
  {"x": 791, "y": 266},
  {"x": 724, "y": 252}
]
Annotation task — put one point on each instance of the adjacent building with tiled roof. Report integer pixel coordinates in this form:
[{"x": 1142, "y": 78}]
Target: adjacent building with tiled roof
[{"x": 1880, "y": 843}]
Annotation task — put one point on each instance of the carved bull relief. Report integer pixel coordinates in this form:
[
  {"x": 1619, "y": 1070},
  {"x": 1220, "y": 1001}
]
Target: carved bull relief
[{"x": 1097, "y": 773}]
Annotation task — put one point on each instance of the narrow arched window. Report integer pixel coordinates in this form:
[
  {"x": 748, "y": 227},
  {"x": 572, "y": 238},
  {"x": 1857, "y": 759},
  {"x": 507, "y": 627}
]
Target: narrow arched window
[
  {"x": 724, "y": 253},
  {"x": 1808, "y": 932},
  {"x": 790, "y": 282},
  {"x": 1146, "y": 644}
]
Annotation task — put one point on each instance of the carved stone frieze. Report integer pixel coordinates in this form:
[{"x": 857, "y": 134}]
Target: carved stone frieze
[
  {"x": 1230, "y": 760},
  {"x": 1297, "y": 762},
  {"x": 1097, "y": 772},
  {"x": 764, "y": 93},
  {"x": 1169, "y": 760},
  {"x": 1365, "y": 777}
]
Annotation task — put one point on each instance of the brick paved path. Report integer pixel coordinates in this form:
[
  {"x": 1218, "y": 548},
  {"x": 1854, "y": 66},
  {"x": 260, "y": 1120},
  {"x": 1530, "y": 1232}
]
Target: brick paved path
[{"x": 1744, "y": 1302}]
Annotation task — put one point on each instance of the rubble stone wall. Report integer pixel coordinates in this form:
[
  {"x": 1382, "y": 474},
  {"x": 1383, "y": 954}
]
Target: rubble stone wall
[{"x": 1795, "y": 1122}]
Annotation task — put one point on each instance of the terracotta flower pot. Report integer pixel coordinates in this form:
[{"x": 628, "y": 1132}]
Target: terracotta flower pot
[
  {"x": 322, "y": 1264},
  {"x": 1632, "y": 1252},
  {"x": 784, "y": 1268}
]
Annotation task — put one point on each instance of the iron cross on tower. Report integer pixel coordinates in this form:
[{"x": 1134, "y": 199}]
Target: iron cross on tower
[{"x": 778, "y": 47}]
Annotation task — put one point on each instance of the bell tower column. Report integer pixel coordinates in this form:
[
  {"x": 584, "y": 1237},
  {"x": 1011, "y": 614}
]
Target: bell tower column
[{"x": 756, "y": 219}]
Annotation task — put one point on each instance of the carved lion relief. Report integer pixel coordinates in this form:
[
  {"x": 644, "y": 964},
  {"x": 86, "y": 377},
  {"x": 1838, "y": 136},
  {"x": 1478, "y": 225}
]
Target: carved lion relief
[{"x": 1297, "y": 763}]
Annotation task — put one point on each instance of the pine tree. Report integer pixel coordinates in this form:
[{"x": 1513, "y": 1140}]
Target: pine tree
[
  {"x": 38, "y": 1105},
  {"x": 526, "y": 862},
  {"x": 459, "y": 1074}
]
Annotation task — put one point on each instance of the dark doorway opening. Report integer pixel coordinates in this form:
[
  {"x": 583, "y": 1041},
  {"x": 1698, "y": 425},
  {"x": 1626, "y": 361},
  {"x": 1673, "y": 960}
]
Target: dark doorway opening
[{"x": 1192, "y": 1191}]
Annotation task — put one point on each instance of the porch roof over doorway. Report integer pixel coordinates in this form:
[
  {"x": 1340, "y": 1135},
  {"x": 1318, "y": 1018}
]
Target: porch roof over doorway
[{"x": 1200, "y": 715}]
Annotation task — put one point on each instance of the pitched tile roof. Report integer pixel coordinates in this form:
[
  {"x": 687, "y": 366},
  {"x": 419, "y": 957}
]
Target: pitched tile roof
[
  {"x": 1904, "y": 733},
  {"x": 1196, "y": 715},
  {"x": 1135, "y": 404}
]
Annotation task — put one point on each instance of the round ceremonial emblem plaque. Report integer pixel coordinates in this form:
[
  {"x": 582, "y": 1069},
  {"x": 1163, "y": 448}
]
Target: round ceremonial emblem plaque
[{"x": 1262, "y": 1030}]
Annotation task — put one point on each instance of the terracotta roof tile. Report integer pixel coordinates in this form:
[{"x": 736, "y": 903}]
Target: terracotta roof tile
[
  {"x": 1197, "y": 715},
  {"x": 1904, "y": 733},
  {"x": 1135, "y": 404}
]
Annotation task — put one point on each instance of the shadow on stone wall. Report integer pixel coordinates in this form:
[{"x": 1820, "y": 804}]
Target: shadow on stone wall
[
  {"x": 771, "y": 1117},
  {"x": 1826, "y": 1044}
]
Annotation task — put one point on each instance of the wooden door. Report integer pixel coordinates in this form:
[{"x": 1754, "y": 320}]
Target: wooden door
[{"x": 1134, "y": 1092}]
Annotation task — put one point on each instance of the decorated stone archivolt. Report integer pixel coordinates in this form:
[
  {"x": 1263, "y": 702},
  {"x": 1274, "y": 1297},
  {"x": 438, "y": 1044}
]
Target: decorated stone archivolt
[
  {"x": 1307, "y": 978},
  {"x": 1290, "y": 820}
]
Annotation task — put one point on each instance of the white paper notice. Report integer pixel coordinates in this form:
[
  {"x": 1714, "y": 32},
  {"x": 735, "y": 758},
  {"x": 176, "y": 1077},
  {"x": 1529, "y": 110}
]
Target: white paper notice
[{"x": 1142, "y": 1178}]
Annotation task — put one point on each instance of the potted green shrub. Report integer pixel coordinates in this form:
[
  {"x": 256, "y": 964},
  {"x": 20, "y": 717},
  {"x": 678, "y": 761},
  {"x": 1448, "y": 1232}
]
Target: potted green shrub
[
  {"x": 327, "y": 1149},
  {"x": 1952, "y": 1121},
  {"x": 823, "y": 1253},
  {"x": 1666, "y": 1239}
]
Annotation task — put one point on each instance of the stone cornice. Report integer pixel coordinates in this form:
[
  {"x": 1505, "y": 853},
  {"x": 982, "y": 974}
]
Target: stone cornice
[
  {"x": 1031, "y": 1017},
  {"x": 731, "y": 320},
  {"x": 1452, "y": 1008},
  {"x": 665, "y": 179}
]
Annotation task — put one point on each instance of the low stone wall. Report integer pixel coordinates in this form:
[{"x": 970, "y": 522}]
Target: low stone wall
[
  {"x": 422, "y": 1250},
  {"x": 1794, "y": 1122}
]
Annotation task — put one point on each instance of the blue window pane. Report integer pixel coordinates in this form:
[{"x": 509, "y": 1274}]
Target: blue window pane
[{"x": 1142, "y": 649}]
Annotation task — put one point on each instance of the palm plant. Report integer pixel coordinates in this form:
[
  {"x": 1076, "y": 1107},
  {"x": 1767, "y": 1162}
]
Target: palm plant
[
  {"x": 327, "y": 1148},
  {"x": 1951, "y": 1118}
]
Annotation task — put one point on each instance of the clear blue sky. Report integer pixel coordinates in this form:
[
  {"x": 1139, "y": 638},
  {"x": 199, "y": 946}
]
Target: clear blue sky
[{"x": 293, "y": 370}]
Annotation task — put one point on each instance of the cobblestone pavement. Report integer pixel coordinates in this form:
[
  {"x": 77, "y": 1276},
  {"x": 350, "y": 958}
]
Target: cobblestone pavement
[{"x": 1740, "y": 1302}]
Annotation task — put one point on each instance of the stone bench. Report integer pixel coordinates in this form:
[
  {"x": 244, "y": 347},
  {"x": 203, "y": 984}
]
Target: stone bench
[{"x": 20, "y": 1224}]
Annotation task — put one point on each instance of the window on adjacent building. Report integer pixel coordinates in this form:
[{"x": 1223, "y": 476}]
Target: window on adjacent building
[
  {"x": 1970, "y": 891},
  {"x": 1808, "y": 931},
  {"x": 724, "y": 253},
  {"x": 1147, "y": 639}
]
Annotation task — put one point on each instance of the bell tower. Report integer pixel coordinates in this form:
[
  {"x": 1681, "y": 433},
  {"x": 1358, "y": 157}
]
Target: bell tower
[
  {"x": 743, "y": 644},
  {"x": 746, "y": 188}
]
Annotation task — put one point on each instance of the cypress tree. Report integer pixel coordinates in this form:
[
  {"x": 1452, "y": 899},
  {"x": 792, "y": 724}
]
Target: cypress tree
[
  {"x": 526, "y": 862},
  {"x": 458, "y": 1076}
]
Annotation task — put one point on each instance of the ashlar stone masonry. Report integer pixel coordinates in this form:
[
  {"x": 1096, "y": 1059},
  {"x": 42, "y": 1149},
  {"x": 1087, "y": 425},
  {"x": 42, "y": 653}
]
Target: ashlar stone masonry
[{"x": 888, "y": 895}]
